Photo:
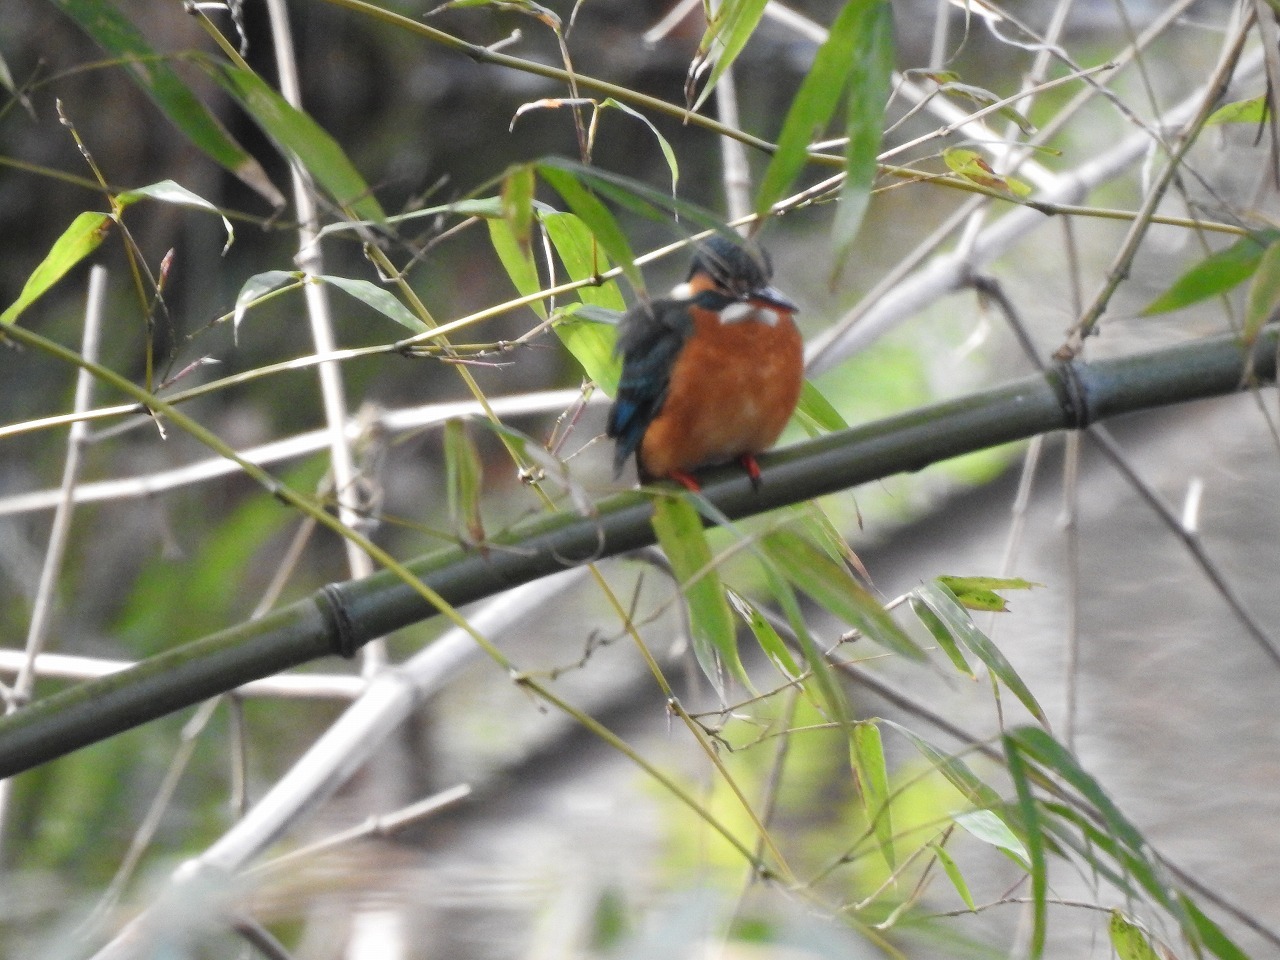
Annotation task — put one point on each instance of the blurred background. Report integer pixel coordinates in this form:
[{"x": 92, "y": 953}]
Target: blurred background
[{"x": 1142, "y": 661}]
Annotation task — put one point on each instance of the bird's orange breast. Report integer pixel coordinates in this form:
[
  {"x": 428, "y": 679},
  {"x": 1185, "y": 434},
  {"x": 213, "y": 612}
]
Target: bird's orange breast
[{"x": 732, "y": 390}]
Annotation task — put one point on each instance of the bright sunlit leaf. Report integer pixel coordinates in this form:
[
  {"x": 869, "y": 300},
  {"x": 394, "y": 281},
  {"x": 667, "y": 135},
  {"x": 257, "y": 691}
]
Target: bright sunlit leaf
[{"x": 85, "y": 235}]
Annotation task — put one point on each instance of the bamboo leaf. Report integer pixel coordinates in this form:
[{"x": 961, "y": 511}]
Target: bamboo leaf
[
  {"x": 945, "y": 605},
  {"x": 517, "y": 260},
  {"x": 1129, "y": 940},
  {"x": 972, "y": 166},
  {"x": 464, "y": 480},
  {"x": 663, "y": 144},
  {"x": 814, "y": 103},
  {"x": 979, "y": 593},
  {"x": 869, "y": 86},
  {"x": 832, "y": 586},
  {"x": 116, "y": 34},
  {"x": 1037, "y": 745},
  {"x": 952, "y": 870},
  {"x": 1209, "y": 933},
  {"x": 986, "y": 825},
  {"x": 257, "y": 287},
  {"x": 1035, "y": 844},
  {"x": 1214, "y": 275},
  {"x": 85, "y": 235},
  {"x": 735, "y": 21},
  {"x": 382, "y": 300},
  {"x": 517, "y": 202},
  {"x": 770, "y": 642},
  {"x": 299, "y": 136},
  {"x": 867, "y": 754},
  {"x": 604, "y": 228},
  {"x": 1253, "y": 110},
  {"x": 828, "y": 692},
  {"x": 1264, "y": 293},
  {"x": 942, "y": 635},
  {"x": 956, "y": 771},
  {"x": 582, "y": 259},
  {"x": 817, "y": 410},
  {"x": 167, "y": 191},
  {"x": 683, "y": 540}
]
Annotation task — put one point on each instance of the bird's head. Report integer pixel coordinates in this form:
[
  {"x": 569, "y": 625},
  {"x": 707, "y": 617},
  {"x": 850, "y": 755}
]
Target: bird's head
[{"x": 740, "y": 271}]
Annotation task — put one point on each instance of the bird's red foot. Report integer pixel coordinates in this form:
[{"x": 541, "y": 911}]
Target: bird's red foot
[
  {"x": 686, "y": 480},
  {"x": 753, "y": 469}
]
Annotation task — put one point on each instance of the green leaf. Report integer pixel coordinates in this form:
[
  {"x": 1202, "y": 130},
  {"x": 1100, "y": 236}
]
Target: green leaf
[
  {"x": 604, "y": 228},
  {"x": 112, "y": 31},
  {"x": 942, "y": 635},
  {"x": 1253, "y": 110},
  {"x": 817, "y": 409},
  {"x": 258, "y": 286},
  {"x": 167, "y": 191},
  {"x": 770, "y": 642},
  {"x": 382, "y": 300},
  {"x": 734, "y": 23},
  {"x": 517, "y": 202},
  {"x": 1214, "y": 275},
  {"x": 1129, "y": 940},
  {"x": 870, "y": 83},
  {"x": 985, "y": 98},
  {"x": 715, "y": 642},
  {"x": 867, "y": 753},
  {"x": 832, "y": 586},
  {"x": 667, "y": 152},
  {"x": 828, "y": 694},
  {"x": 814, "y": 103},
  {"x": 592, "y": 345},
  {"x": 953, "y": 874},
  {"x": 1035, "y": 844},
  {"x": 582, "y": 259},
  {"x": 1209, "y": 933},
  {"x": 464, "y": 479},
  {"x": 1264, "y": 293},
  {"x": 986, "y": 825},
  {"x": 979, "y": 593},
  {"x": 517, "y": 260},
  {"x": 84, "y": 236},
  {"x": 956, "y": 771},
  {"x": 972, "y": 166},
  {"x": 1037, "y": 745},
  {"x": 299, "y": 136},
  {"x": 944, "y": 603}
]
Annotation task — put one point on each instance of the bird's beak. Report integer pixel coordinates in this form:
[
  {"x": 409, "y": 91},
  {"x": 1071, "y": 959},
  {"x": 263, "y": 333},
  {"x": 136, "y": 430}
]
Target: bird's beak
[{"x": 775, "y": 297}]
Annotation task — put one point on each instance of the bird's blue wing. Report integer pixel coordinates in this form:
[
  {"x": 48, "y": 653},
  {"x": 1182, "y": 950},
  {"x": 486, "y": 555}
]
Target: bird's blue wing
[{"x": 650, "y": 337}]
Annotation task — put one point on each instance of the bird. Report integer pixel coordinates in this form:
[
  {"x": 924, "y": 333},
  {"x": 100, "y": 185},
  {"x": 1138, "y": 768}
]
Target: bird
[{"x": 710, "y": 373}]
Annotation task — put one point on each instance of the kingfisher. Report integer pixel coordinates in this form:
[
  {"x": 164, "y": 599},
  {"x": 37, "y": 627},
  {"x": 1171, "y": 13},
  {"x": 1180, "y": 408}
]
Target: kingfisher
[{"x": 710, "y": 373}]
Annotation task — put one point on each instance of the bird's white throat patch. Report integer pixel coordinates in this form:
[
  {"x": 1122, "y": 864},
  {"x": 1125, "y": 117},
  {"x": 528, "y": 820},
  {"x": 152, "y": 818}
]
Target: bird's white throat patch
[{"x": 746, "y": 312}]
